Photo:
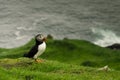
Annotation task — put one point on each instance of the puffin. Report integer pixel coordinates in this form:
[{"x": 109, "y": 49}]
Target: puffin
[{"x": 38, "y": 48}]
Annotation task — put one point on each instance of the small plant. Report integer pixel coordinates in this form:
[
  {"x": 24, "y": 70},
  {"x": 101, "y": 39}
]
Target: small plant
[{"x": 89, "y": 63}]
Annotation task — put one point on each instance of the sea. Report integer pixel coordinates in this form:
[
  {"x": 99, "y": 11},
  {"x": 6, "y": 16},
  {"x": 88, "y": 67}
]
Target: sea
[{"x": 97, "y": 21}]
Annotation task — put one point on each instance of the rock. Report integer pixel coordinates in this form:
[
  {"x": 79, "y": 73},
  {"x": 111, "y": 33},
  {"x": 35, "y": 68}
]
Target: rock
[
  {"x": 49, "y": 36},
  {"x": 115, "y": 46},
  {"x": 105, "y": 68},
  {"x": 65, "y": 38}
]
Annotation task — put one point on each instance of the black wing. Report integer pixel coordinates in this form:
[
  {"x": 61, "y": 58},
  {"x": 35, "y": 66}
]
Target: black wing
[{"x": 32, "y": 52}]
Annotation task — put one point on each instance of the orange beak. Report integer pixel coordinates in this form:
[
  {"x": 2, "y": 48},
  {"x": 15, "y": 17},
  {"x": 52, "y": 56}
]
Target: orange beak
[{"x": 44, "y": 39}]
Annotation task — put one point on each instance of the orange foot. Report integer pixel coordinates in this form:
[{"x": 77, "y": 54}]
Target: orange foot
[{"x": 38, "y": 60}]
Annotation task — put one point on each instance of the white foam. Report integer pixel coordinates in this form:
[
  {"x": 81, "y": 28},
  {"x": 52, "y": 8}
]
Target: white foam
[
  {"x": 21, "y": 37},
  {"x": 107, "y": 37},
  {"x": 17, "y": 33},
  {"x": 24, "y": 28},
  {"x": 18, "y": 36}
]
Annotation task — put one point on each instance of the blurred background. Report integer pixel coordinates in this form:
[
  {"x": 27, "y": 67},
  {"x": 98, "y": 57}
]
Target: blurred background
[{"x": 97, "y": 21}]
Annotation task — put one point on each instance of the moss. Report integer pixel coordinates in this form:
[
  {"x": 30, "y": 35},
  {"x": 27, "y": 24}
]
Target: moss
[{"x": 8, "y": 63}]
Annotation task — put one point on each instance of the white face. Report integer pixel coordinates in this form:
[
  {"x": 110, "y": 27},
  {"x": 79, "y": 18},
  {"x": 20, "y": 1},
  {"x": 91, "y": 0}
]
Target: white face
[{"x": 39, "y": 37}]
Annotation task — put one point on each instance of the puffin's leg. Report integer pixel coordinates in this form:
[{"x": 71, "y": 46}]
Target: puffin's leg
[{"x": 38, "y": 60}]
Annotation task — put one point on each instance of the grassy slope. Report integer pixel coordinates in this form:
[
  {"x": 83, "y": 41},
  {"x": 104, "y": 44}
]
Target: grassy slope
[{"x": 63, "y": 59}]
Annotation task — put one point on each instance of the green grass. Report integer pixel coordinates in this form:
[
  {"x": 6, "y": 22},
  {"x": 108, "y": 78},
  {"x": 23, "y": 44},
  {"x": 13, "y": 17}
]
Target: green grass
[
  {"x": 24, "y": 68},
  {"x": 62, "y": 60}
]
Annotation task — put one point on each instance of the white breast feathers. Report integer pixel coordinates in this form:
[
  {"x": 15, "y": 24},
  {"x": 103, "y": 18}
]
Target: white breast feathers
[{"x": 41, "y": 49}]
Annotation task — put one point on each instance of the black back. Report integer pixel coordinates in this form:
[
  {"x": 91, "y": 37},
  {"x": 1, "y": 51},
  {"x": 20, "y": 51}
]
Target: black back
[{"x": 32, "y": 52}]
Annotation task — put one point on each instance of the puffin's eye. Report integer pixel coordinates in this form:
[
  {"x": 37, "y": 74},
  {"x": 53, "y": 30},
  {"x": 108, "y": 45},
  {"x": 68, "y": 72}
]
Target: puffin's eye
[{"x": 39, "y": 37}]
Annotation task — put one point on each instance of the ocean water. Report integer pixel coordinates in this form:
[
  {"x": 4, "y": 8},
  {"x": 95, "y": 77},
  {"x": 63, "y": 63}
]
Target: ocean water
[{"x": 97, "y": 21}]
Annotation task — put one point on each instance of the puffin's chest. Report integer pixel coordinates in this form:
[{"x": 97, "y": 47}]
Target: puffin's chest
[{"x": 42, "y": 47}]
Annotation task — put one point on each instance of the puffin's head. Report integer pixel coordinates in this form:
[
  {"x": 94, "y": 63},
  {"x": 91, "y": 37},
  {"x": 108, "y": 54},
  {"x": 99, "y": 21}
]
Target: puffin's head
[{"x": 40, "y": 38}]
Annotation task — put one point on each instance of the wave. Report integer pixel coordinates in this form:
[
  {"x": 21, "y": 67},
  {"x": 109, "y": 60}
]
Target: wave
[
  {"x": 25, "y": 28},
  {"x": 105, "y": 37}
]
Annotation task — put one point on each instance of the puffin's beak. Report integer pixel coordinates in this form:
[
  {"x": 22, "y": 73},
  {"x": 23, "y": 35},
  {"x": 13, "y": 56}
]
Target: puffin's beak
[{"x": 44, "y": 39}]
